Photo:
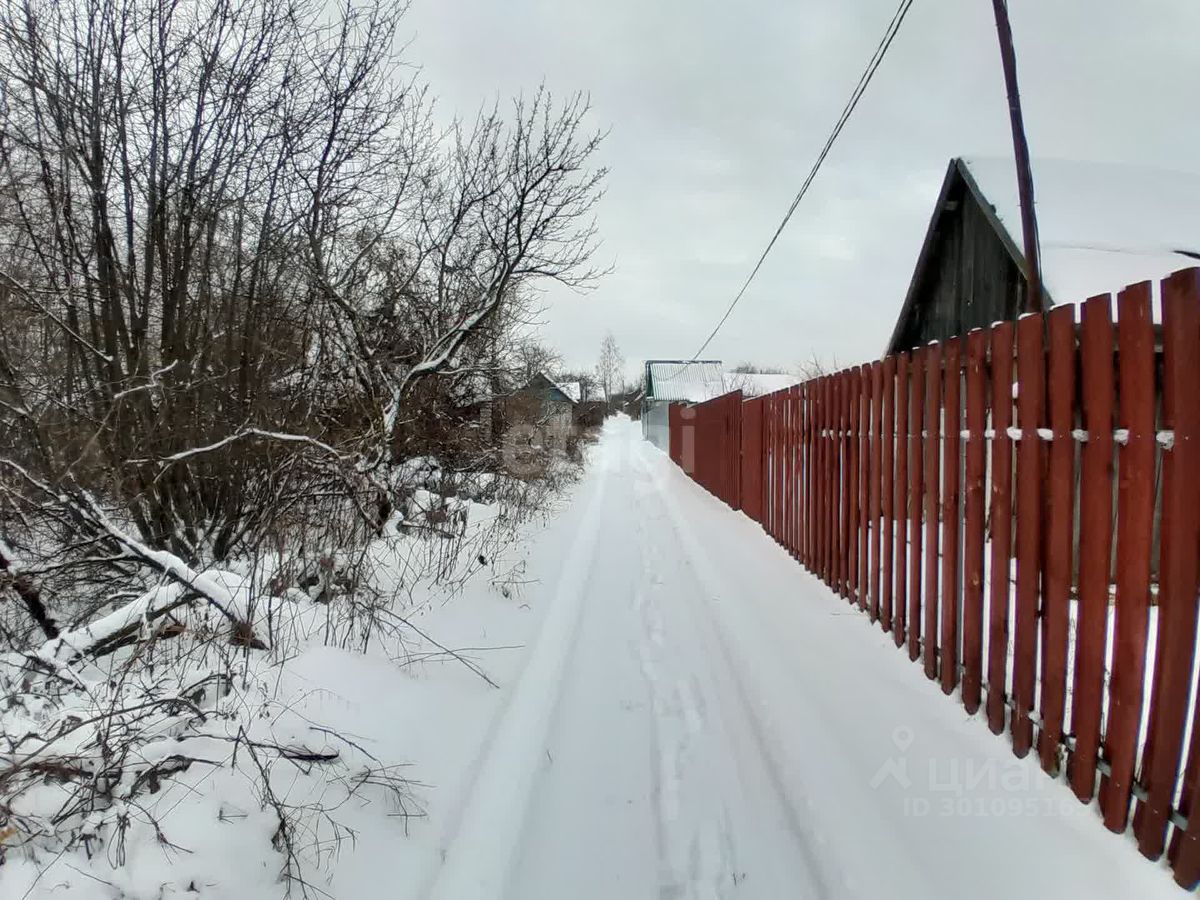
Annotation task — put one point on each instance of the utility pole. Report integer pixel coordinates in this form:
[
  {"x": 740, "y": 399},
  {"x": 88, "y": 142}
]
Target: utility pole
[{"x": 1033, "y": 296}]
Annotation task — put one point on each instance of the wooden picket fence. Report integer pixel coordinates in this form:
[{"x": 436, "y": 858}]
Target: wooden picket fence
[{"x": 986, "y": 500}]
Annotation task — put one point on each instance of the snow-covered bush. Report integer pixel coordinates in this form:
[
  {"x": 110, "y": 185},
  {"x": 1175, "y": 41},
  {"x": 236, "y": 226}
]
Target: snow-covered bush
[
  {"x": 256, "y": 317},
  {"x": 163, "y": 731}
]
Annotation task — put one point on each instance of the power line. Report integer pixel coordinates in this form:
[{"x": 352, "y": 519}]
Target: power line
[{"x": 864, "y": 80}]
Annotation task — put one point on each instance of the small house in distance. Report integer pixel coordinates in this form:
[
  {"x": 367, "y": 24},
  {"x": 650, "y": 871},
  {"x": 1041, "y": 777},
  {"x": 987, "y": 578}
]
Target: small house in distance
[
  {"x": 676, "y": 381},
  {"x": 1101, "y": 226},
  {"x": 544, "y": 403}
]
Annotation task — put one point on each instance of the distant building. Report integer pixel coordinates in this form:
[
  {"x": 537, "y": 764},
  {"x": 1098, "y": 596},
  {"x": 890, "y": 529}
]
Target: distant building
[
  {"x": 676, "y": 381},
  {"x": 1101, "y": 227},
  {"x": 582, "y": 391},
  {"x": 554, "y": 408},
  {"x": 544, "y": 403}
]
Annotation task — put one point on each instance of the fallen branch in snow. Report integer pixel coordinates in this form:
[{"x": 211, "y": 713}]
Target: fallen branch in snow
[
  {"x": 97, "y": 640},
  {"x": 177, "y": 570},
  {"x": 446, "y": 650}
]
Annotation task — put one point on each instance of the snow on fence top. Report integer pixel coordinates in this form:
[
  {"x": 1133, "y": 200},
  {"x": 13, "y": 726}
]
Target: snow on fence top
[{"x": 1101, "y": 226}]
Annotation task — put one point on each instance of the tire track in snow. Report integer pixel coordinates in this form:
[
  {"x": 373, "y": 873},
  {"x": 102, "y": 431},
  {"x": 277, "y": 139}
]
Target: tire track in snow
[
  {"x": 678, "y": 721},
  {"x": 484, "y": 842},
  {"x": 737, "y": 709}
]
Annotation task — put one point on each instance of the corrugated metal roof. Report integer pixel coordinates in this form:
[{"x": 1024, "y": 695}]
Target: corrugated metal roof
[{"x": 684, "y": 381}]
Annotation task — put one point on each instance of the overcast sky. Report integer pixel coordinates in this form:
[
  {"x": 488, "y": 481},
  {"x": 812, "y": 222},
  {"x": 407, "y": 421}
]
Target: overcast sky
[{"x": 717, "y": 110}]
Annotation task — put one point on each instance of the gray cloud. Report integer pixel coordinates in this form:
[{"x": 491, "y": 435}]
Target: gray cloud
[{"x": 717, "y": 110}]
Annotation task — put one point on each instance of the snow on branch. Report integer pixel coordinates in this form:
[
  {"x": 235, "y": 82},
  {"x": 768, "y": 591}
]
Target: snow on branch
[
  {"x": 243, "y": 435},
  {"x": 203, "y": 584}
]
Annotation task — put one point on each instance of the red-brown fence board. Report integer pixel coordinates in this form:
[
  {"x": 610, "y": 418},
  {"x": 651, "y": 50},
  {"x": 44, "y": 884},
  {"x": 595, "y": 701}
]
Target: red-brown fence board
[
  {"x": 768, "y": 449},
  {"x": 801, "y": 492},
  {"x": 845, "y": 402},
  {"x": 826, "y": 482},
  {"x": 930, "y": 438},
  {"x": 794, "y": 394},
  {"x": 916, "y": 496},
  {"x": 824, "y": 474},
  {"x": 900, "y": 503},
  {"x": 1060, "y": 529},
  {"x": 752, "y": 458},
  {"x": 781, "y": 514},
  {"x": 733, "y": 447},
  {"x": 875, "y": 479},
  {"x": 806, "y": 476},
  {"x": 853, "y": 411},
  {"x": 973, "y": 526},
  {"x": 1135, "y": 524},
  {"x": 1095, "y": 540},
  {"x": 778, "y": 487},
  {"x": 789, "y": 464},
  {"x": 951, "y": 448},
  {"x": 776, "y": 474},
  {"x": 793, "y": 432},
  {"x": 874, "y": 476},
  {"x": 1000, "y": 523},
  {"x": 864, "y": 485},
  {"x": 831, "y": 484},
  {"x": 781, "y": 476},
  {"x": 1031, "y": 387},
  {"x": 818, "y": 496},
  {"x": 1151, "y": 761},
  {"x": 1182, "y": 450},
  {"x": 810, "y": 533},
  {"x": 1182, "y": 573},
  {"x": 887, "y": 492},
  {"x": 1180, "y": 542},
  {"x": 764, "y": 499},
  {"x": 780, "y": 465},
  {"x": 675, "y": 435},
  {"x": 794, "y": 460}
]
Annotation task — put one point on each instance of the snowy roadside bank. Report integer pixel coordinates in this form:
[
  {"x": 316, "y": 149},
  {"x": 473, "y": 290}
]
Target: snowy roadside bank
[{"x": 364, "y": 750}]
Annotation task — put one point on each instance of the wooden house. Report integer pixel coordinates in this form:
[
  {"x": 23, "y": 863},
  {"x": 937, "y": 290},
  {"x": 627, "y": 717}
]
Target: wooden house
[{"x": 1101, "y": 227}]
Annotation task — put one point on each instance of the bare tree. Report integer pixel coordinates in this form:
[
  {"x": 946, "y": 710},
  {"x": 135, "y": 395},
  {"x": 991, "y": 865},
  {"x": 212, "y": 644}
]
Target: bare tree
[
  {"x": 533, "y": 357},
  {"x": 234, "y": 224},
  {"x": 610, "y": 370},
  {"x": 815, "y": 367},
  {"x": 244, "y": 283},
  {"x": 753, "y": 369}
]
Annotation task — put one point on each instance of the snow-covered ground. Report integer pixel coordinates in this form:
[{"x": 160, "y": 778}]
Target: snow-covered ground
[
  {"x": 682, "y": 712},
  {"x": 698, "y": 717}
]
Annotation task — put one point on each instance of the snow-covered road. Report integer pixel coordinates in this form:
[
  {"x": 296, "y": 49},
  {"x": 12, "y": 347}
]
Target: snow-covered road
[{"x": 698, "y": 717}]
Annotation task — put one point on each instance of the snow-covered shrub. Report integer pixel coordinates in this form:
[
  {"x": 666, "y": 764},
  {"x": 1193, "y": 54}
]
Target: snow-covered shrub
[{"x": 254, "y": 334}]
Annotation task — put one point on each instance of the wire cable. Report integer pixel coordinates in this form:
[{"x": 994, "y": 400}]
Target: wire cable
[{"x": 864, "y": 80}]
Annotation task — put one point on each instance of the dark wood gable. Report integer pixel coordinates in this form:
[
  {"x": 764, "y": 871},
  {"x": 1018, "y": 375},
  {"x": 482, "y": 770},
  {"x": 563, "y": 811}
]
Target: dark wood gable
[
  {"x": 969, "y": 273},
  {"x": 546, "y": 390}
]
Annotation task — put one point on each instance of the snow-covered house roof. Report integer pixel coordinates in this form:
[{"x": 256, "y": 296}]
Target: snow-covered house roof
[
  {"x": 550, "y": 390},
  {"x": 578, "y": 392},
  {"x": 1101, "y": 226},
  {"x": 573, "y": 389},
  {"x": 686, "y": 381},
  {"x": 757, "y": 384}
]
